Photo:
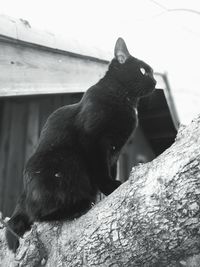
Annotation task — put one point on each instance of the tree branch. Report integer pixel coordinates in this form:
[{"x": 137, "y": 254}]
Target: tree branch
[{"x": 151, "y": 220}]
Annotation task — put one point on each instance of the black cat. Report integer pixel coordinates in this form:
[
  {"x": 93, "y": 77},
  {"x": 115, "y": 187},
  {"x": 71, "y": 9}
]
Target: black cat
[{"x": 80, "y": 145}]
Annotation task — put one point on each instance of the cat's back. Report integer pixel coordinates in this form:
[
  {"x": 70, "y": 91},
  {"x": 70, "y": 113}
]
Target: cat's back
[{"x": 59, "y": 127}]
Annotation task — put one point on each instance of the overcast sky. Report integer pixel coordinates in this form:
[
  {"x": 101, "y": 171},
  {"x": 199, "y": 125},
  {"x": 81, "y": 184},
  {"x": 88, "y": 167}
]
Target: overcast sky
[{"x": 167, "y": 39}]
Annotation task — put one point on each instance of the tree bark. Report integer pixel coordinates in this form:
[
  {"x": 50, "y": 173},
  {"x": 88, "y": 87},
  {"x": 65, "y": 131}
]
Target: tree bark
[{"x": 150, "y": 220}]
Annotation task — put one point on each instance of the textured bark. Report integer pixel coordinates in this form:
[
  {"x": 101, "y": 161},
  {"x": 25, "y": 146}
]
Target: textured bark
[{"x": 151, "y": 220}]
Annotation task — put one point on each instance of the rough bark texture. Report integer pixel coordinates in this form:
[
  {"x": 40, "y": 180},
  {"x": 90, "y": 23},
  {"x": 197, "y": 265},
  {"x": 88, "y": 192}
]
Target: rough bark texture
[{"x": 151, "y": 220}]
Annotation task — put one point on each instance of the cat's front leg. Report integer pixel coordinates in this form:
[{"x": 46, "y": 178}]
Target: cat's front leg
[
  {"x": 112, "y": 183},
  {"x": 113, "y": 171},
  {"x": 102, "y": 171}
]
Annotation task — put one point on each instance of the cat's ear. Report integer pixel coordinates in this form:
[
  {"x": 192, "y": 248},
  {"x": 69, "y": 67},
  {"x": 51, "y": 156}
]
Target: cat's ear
[{"x": 121, "y": 51}]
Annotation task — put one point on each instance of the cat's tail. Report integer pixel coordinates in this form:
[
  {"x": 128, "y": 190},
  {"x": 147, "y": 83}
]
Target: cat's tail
[{"x": 18, "y": 224}]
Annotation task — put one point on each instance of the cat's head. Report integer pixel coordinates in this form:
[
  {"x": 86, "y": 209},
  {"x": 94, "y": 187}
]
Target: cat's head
[{"x": 132, "y": 73}]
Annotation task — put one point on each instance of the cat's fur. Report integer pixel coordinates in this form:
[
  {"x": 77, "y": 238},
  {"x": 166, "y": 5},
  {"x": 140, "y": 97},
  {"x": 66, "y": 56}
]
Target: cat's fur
[{"x": 80, "y": 145}]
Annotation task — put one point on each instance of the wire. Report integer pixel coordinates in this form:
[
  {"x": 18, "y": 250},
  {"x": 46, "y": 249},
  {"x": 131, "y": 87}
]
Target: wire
[
  {"x": 176, "y": 9},
  {"x": 158, "y": 4},
  {"x": 166, "y": 10}
]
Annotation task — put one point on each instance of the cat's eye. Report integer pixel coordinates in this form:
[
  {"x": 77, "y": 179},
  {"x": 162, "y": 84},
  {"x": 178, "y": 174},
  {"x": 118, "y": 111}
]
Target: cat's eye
[{"x": 143, "y": 71}]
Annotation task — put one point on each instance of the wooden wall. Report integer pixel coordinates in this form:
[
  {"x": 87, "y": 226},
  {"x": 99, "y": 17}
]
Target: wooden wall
[{"x": 21, "y": 120}]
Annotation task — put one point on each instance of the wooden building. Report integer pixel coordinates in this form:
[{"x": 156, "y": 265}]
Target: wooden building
[{"x": 38, "y": 74}]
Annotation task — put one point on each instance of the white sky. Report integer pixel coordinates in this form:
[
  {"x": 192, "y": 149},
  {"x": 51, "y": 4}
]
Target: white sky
[{"x": 168, "y": 40}]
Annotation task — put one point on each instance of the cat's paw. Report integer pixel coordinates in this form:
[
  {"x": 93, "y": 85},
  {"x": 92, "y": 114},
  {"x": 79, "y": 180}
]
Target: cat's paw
[
  {"x": 13, "y": 241},
  {"x": 116, "y": 184},
  {"x": 110, "y": 187}
]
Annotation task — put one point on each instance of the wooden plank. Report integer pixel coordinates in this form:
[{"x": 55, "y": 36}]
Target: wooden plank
[
  {"x": 59, "y": 101},
  {"x": 170, "y": 102},
  {"x": 7, "y": 26},
  {"x": 27, "y": 71},
  {"x": 4, "y": 148},
  {"x": 14, "y": 177},
  {"x": 32, "y": 133},
  {"x": 21, "y": 30},
  {"x": 1, "y": 115},
  {"x": 123, "y": 167},
  {"x": 46, "y": 108}
]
